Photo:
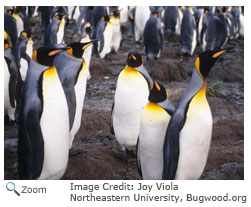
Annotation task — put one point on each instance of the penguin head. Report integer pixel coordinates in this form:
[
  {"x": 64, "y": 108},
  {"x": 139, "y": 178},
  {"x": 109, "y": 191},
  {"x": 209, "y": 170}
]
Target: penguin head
[
  {"x": 157, "y": 93},
  {"x": 77, "y": 48},
  {"x": 155, "y": 13},
  {"x": 26, "y": 34},
  {"x": 205, "y": 61},
  {"x": 10, "y": 11},
  {"x": 106, "y": 18},
  {"x": 60, "y": 16},
  {"x": 134, "y": 59},
  {"x": 85, "y": 29},
  {"x": 45, "y": 55},
  {"x": 116, "y": 13},
  {"x": 90, "y": 8},
  {"x": 206, "y": 9}
]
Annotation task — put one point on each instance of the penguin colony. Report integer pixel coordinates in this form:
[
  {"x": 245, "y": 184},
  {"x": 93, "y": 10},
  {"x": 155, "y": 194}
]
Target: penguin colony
[{"x": 44, "y": 88}]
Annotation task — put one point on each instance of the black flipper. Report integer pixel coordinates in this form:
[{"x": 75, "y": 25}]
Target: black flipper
[
  {"x": 111, "y": 120},
  {"x": 71, "y": 103},
  {"x": 30, "y": 137},
  {"x": 171, "y": 146},
  {"x": 138, "y": 158}
]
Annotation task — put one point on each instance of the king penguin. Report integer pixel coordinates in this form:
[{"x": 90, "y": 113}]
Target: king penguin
[
  {"x": 131, "y": 96},
  {"x": 142, "y": 14},
  {"x": 103, "y": 32},
  {"x": 153, "y": 37},
  {"x": 207, "y": 31},
  {"x": 12, "y": 81},
  {"x": 55, "y": 30},
  {"x": 188, "y": 32},
  {"x": 116, "y": 31},
  {"x": 73, "y": 74},
  {"x": 189, "y": 131},
  {"x": 24, "y": 52},
  {"x": 172, "y": 19},
  {"x": 155, "y": 117},
  {"x": 43, "y": 136}
]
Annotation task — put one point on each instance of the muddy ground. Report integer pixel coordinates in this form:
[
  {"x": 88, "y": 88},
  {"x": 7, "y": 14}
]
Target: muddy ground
[{"x": 96, "y": 153}]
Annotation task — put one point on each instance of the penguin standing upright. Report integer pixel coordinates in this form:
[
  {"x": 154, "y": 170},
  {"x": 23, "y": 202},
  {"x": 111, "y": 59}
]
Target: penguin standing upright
[
  {"x": 19, "y": 21},
  {"x": 123, "y": 17},
  {"x": 172, "y": 19},
  {"x": 153, "y": 37},
  {"x": 12, "y": 81},
  {"x": 222, "y": 30},
  {"x": 142, "y": 14},
  {"x": 131, "y": 96},
  {"x": 73, "y": 74},
  {"x": 55, "y": 31},
  {"x": 155, "y": 117},
  {"x": 103, "y": 32},
  {"x": 97, "y": 14},
  {"x": 85, "y": 32},
  {"x": 116, "y": 31},
  {"x": 207, "y": 31},
  {"x": 24, "y": 52},
  {"x": 43, "y": 135},
  {"x": 84, "y": 16},
  {"x": 189, "y": 131},
  {"x": 188, "y": 32}
]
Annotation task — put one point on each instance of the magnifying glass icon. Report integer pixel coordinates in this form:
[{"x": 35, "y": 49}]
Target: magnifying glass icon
[{"x": 11, "y": 187}]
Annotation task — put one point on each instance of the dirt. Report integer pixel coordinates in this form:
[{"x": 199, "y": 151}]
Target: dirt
[{"x": 96, "y": 153}]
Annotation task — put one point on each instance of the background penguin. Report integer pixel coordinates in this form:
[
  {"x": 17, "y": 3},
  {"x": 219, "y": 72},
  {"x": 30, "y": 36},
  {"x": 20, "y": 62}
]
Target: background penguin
[
  {"x": 19, "y": 20},
  {"x": 12, "y": 81},
  {"x": 131, "y": 96},
  {"x": 11, "y": 29},
  {"x": 45, "y": 16},
  {"x": 103, "y": 32},
  {"x": 86, "y": 29},
  {"x": 55, "y": 31},
  {"x": 207, "y": 31},
  {"x": 24, "y": 52},
  {"x": 97, "y": 14},
  {"x": 222, "y": 30},
  {"x": 188, "y": 135},
  {"x": 131, "y": 17},
  {"x": 116, "y": 31},
  {"x": 188, "y": 32},
  {"x": 43, "y": 138},
  {"x": 123, "y": 17},
  {"x": 84, "y": 16},
  {"x": 142, "y": 14},
  {"x": 153, "y": 124},
  {"x": 153, "y": 37},
  {"x": 172, "y": 20},
  {"x": 73, "y": 74}
]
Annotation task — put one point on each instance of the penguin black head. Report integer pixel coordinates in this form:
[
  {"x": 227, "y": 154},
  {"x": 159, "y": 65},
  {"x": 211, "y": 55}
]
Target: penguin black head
[
  {"x": 60, "y": 16},
  {"x": 10, "y": 11},
  {"x": 106, "y": 18},
  {"x": 116, "y": 13},
  {"x": 206, "y": 9},
  {"x": 134, "y": 59},
  {"x": 206, "y": 60},
  {"x": 157, "y": 93},
  {"x": 26, "y": 34},
  {"x": 90, "y": 8},
  {"x": 45, "y": 55},
  {"x": 156, "y": 14},
  {"x": 77, "y": 48}
]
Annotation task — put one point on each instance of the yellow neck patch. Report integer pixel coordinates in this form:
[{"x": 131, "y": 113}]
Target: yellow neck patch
[{"x": 197, "y": 65}]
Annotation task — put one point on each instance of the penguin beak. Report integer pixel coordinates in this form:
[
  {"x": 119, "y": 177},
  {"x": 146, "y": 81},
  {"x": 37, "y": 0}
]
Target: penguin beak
[
  {"x": 221, "y": 52},
  {"x": 54, "y": 52},
  {"x": 89, "y": 44}
]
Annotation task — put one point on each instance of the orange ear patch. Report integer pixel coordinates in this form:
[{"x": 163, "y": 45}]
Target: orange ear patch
[
  {"x": 133, "y": 57},
  {"x": 219, "y": 53},
  {"x": 54, "y": 52},
  {"x": 157, "y": 85}
]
